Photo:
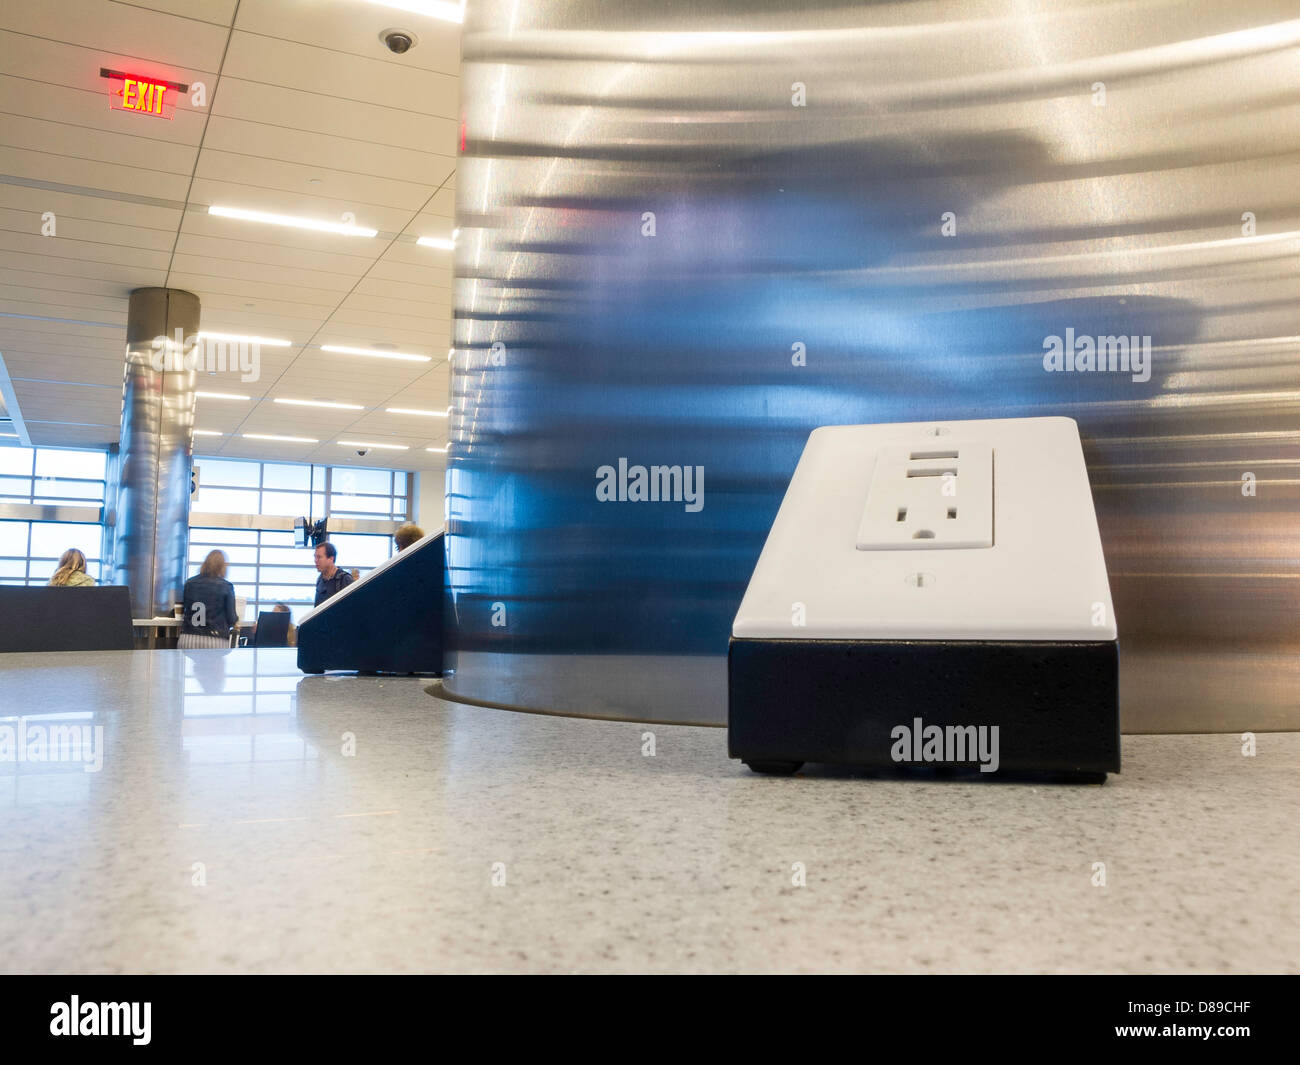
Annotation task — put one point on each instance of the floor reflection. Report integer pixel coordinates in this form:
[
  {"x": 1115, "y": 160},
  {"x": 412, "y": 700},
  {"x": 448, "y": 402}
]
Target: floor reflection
[{"x": 240, "y": 705}]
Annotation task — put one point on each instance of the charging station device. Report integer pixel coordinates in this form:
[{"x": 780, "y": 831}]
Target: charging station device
[{"x": 931, "y": 594}]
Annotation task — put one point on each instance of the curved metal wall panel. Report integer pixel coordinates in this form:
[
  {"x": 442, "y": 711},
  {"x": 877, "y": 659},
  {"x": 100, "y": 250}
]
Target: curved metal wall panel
[
  {"x": 151, "y": 494},
  {"x": 691, "y": 233}
]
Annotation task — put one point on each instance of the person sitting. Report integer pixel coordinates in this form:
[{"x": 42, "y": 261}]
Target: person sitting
[
  {"x": 72, "y": 571},
  {"x": 332, "y": 580},
  {"x": 208, "y": 613},
  {"x": 291, "y": 636},
  {"x": 406, "y": 535}
]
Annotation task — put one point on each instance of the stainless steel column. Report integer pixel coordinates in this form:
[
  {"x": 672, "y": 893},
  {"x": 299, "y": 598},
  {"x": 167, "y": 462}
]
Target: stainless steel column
[
  {"x": 691, "y": 233},
  {"x": 151, "y": 508}
]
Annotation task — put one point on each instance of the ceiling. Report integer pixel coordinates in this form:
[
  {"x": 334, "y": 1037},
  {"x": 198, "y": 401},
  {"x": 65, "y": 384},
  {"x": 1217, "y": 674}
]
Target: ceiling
[{"x": 308, "y": 114}]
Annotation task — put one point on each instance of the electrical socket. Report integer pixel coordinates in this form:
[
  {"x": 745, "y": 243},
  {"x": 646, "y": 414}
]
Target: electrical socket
[
  {"x": 1000, "y": 623},
  {"x": 929, "y": 496},
  {"x": 1023, "y": 559}
]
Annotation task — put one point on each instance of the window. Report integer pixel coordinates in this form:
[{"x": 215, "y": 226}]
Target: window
[
  {"x": 30, "y": 550},
  {"x": 264, "y": 565},
  {"x": 232, "y": 486},
  {"x": 52, "y": 476},
  {"x": 368, "y": 493}
]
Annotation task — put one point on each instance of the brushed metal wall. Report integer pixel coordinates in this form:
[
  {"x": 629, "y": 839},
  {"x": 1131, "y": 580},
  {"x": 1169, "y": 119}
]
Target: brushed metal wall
[{"x": 690, "y": 233}]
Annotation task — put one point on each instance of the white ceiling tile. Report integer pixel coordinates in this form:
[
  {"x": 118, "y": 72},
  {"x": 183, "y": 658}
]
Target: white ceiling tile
[
  {"x": 250, "y": 176},
  {"x": 106, "y": 372},
  {"x": 218, "y": 12},
  {"x": 387, "y": 82},
  {"x": 352, "y": 121},
  {"x": 100, "y": 25},
  {"x": 354, "y": 27},
  {"x": 331, "y": 258},
  {"x": 322, "y": 152}
]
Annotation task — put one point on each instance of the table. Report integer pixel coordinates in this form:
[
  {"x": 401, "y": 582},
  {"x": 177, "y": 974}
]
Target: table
[
  {"x": 151, "y": 628},
  {"x": 147, "y": 631}
]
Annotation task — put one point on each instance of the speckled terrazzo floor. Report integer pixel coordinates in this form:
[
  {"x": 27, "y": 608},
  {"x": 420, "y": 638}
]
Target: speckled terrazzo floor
[{"x": 311, "y": 860}]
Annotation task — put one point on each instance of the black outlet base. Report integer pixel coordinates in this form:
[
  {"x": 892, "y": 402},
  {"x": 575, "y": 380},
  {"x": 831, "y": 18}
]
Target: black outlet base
[{"x": 1055, "y": 705}]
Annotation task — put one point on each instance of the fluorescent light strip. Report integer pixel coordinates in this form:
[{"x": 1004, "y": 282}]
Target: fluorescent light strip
[
  {"x": 443, "y": 9},
  {"x": 362, "y": 443},
  {"x": 439, "y": 449},
  {"x": 285, "y": 439},
  {"x": 426, "y": 413},
  {"x": 436, "y": 242},
  {"x": 320, "y": 403},
  {"x": 265, "y": 341},
  {"x": 371, "y": 353},
  {"x": 207, "y": 432},
  {"x": 219, "y": 395},
  {"x": 342, "y": 228}
]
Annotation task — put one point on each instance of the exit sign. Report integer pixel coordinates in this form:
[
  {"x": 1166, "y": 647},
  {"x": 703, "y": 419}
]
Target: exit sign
[{"x": 143, "y": 95}]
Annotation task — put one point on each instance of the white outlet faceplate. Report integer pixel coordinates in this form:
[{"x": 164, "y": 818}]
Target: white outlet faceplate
[
  {"x": 1029, "y": 567},
  {"x": 932, "y": 496}
]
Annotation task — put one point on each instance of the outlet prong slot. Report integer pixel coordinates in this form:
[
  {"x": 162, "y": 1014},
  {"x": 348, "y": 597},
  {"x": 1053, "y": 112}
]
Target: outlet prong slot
[{"x": 902, "y": 514}]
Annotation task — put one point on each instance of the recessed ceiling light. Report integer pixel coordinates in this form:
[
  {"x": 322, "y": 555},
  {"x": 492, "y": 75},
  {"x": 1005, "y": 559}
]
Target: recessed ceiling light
[
  {"x": 443, "y": 9},
  {"x": 427, "y": 413},
  {"x": 207, "y": 432},
  {"x": 285, "y": 439},
  {"x": 267, "y": 341},
  {"x": 436, "y": 242},
  {"x": 319, "y": 403},
  {"x": 371, "y": 353},
  {"x": 344, "y": 228},
  {"x": 219, "y": 395},
  {"x": 362, "y": 443}
]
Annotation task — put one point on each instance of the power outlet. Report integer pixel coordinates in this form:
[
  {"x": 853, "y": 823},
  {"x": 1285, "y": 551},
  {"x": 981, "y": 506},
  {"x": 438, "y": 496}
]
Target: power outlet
[
  {"x": 939, "y": 578},
  {"x": 1023, "y": 559},
  {"x": 928, "y": 496}
]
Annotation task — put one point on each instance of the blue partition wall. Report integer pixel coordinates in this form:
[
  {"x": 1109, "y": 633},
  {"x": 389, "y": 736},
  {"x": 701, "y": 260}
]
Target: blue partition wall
[
  {"x": 389, "y": 621},
  {"x": 690, "y": 235}
]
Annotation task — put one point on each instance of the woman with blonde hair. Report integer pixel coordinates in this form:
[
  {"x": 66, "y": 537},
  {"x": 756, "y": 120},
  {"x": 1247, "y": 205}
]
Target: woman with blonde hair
[
  {"x": 208, "y": 613},
  {"x": 72, "y": 571}
]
